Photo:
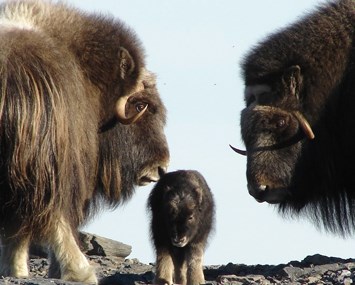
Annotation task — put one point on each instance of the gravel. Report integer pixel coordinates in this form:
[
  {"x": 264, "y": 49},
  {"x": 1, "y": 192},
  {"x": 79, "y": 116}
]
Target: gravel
[{"x": 111, "y": 270}]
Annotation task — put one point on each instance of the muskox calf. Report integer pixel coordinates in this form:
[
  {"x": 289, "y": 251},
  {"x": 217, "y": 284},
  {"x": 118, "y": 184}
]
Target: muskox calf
[{"x": 182, "y": 210}]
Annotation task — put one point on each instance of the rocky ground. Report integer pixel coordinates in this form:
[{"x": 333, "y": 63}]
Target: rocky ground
[{"x": 114, "y": 268}]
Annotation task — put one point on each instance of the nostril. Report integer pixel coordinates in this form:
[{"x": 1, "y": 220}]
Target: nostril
[
  {"x": 175, "y": 238},
  {"x": 262, "y": 187},
  {"x": 179, "y": 240},
  {"x": 257, "y": 191}
]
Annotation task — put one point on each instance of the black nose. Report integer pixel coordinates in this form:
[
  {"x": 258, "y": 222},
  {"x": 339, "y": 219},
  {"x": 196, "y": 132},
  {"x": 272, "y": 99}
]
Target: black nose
[
  {"x": 257, "y": 191},
  {"x": 264, "y": 193}
]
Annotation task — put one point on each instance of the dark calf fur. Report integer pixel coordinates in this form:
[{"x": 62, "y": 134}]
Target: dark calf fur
[{"x": 182, "y": 210}]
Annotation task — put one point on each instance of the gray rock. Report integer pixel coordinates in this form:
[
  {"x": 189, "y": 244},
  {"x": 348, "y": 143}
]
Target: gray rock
[
  {"x": 294, "y": 273},
  {"x": 97, "y": 245},
  {"x": 318, "y": 259},
  {"x": 115, "y": 270},
  {"x": 90, "y": 244},
  {"x": 241, "y": 280}
]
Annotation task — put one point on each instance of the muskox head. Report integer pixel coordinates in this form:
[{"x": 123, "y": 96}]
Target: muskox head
[
  {"x": 134, "y": 147},
  {"x": 274, "y": 130},
  {"x": 146, "y": 138}
]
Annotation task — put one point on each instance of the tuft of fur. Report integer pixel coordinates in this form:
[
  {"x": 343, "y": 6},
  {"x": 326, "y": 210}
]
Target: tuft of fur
[
  {"x": 182, "y": 217},
  {"x": 62, "y": 71},
  {"x": 318, "y": 175}
]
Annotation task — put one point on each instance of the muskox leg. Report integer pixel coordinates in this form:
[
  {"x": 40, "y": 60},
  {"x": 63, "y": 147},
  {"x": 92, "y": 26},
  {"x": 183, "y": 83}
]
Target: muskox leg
[
  {"x": 195, "y": 274},
  {"x": 180, "y": 266},
  {"x": 54, "y": 266},
  {"x": 14, "y": 256},
  {"x": 164, "y": 268},
  {"x": 73, "y": 264}
]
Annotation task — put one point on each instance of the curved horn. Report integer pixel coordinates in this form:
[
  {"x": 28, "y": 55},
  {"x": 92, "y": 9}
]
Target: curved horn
[
  {"x": 304, "y": 125},
  {"x": 239, "y": 151},
  {"x": 121, "y": 111}
]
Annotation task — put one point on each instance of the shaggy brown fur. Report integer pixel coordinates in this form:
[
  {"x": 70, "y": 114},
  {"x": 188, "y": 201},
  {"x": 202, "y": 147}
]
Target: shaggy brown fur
[
  {"x": 182, "y": 210},
  {"x": 62, "y": 72},
  {"x": 307, "y": 68}
]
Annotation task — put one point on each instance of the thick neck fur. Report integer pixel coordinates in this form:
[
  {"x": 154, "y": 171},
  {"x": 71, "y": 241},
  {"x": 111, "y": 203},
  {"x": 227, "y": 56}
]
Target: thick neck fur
[
  {"x": 325, "y": 187},
  {"x": 319, "y": 43},
  {"x": 95, "y": 40}
]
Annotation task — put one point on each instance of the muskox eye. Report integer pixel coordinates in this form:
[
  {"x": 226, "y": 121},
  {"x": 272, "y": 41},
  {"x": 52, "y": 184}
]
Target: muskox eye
[
  {"x": 140, "y": 106},
  {"x": 281, "y": 123}
]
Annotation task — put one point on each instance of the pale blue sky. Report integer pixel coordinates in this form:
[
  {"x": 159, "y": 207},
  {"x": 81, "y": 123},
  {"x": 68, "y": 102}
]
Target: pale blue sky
[{"x": 195, "y": 48}]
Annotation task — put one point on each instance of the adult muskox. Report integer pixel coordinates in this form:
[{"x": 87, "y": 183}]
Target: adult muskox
[
  {"x": 298, "y": 124},
  {"x": 81, "y": 123}
]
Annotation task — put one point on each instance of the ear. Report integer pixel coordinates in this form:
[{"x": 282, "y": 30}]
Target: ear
[
  {"x": 198, "y": 191},
  {"x": 126, "y": 63},
  {"x": 292, "y": 80}
]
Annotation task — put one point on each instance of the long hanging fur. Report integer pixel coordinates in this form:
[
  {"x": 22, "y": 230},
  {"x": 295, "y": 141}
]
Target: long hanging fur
[
  {"x": 61, "y": 73},
  {"x": 37, "y": 120},
  {"x": 322, "y": 181}
]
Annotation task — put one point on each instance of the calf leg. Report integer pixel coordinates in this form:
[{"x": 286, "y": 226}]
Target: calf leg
[
  {"x": 180, "y": 271},
  {"x": 73, "y": 264},
  {"x": 195, "y": 274},
  {"x": 14, "y": 256},
  {"x": 164, "y": 267}
]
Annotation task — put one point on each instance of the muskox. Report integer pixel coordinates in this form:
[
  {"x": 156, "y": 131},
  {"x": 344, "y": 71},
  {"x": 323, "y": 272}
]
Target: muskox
[
  {"x": 298, "y": 123},
  {"x": 182, "y": 216},
  {"x": 81, "y": 123}
]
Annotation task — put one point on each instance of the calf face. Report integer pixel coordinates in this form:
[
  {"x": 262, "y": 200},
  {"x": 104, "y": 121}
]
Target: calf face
[{"x": 182, "y": 209}]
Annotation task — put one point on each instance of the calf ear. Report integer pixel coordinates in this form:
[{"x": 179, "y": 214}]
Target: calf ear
[
  {"x": 126, "y": 63},
  {"x": 198, "y": 191},
  {"x": 292, "y": 80}
]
